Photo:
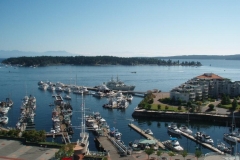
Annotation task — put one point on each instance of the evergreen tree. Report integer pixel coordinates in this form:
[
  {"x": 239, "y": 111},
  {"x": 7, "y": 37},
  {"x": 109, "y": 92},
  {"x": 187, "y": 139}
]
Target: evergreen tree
[
  {"x": 234, "y": 104},
  {"x": 198, "y": 153},
  {"x": 228, "y": 101},
  {"x": 184, "y": 154},
  {"x": 224, "y": 99},
  {"x": 149, "y": 151}
]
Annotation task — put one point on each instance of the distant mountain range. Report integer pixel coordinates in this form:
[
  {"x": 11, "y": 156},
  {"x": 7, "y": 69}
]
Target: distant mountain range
[
  {"x": 17, "y": 53},
  {"x": 215, "y": 57}
]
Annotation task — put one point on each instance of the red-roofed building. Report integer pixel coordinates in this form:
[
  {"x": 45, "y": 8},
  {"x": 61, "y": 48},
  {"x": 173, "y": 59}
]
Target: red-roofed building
[{"x": 205, "y": 86}]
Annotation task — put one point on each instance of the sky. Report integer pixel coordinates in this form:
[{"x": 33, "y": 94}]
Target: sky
[{"x": 123, "y": 28}]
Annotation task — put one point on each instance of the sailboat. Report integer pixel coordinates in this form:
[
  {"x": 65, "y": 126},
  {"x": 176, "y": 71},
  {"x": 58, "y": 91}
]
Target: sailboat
[{"x": 230, "y": 136}]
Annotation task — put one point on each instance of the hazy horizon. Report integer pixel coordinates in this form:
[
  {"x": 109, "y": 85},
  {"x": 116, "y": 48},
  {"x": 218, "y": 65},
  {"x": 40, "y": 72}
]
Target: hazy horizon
[{"x": 124, "y": 28}]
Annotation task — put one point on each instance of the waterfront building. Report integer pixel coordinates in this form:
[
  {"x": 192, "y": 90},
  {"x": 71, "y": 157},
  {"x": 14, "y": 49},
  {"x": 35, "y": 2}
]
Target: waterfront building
[{"x": 205, "y": 86}]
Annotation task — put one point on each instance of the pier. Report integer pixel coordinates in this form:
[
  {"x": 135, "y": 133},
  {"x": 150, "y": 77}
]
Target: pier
[
  {"x": 209, "y": 146},
  {"x": 139, "y": 130}
]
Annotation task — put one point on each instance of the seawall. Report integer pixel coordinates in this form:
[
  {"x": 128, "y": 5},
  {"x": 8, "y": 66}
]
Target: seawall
[{"x": 198, "y": 117}]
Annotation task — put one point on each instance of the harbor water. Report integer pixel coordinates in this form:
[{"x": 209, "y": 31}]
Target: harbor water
[{"x": 16, "y": 82}]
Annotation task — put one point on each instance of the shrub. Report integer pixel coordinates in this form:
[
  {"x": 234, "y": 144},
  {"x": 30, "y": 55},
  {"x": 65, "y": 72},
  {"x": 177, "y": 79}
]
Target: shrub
[
  {"x": 179, "y": 108},
  {"x": 211, "y": 106},
  {"x": 166, "y": 107},
  {"x": 149, "y": 107},
  {"x": 150, "y": 101}
]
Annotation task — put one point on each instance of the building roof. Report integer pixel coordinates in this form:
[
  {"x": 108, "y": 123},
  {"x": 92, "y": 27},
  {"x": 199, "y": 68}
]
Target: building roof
[{"x": 209, "y": 76}]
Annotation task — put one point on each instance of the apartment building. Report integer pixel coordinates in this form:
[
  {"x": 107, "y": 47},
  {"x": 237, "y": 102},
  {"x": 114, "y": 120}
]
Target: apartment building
[{"x": 205, "y": 86}]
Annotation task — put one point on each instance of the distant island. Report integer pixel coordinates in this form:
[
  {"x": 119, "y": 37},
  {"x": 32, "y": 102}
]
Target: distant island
[{"x": 96, "y": 60}]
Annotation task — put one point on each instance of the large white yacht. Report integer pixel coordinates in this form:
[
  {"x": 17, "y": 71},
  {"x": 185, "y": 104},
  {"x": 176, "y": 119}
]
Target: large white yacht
[
  {"x": 204, "y": 137},
  {"x": 119, "y": 85},
  {"x": 185, "y": 129},
  {"x": 173, "y": 129},
  {"x": 173, "y": 144}
]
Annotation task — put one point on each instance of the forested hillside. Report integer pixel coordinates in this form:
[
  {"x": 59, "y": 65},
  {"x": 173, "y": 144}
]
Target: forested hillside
[{"x": 98, "y": 60}]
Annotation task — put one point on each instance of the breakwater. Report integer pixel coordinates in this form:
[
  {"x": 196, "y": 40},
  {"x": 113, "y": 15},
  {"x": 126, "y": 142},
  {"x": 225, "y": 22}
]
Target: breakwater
[{"x": 198, "y": 117}]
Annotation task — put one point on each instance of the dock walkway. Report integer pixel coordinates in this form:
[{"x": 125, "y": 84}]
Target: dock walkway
[
  {"x": 204, "y": 144},
  {"x": 139, "y": 130}
]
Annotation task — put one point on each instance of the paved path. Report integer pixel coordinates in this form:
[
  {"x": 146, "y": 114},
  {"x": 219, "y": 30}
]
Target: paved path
[{"x": 14, "y": 150}]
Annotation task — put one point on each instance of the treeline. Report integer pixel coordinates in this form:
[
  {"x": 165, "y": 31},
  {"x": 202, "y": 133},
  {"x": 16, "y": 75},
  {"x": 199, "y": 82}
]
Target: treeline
[{"x": 97, "y": 60}]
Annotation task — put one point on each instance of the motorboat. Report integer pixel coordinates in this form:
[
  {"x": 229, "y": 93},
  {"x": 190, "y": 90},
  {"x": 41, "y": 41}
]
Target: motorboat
[
  {"x": 148, "y": 131},
  {"x": 129, "y": 97},
  {"x": 204, "y": 138},
  {"x": 4, "y": 119},
  {"x": 67, "y": 90},
  {"x": 115, "y": 133},
  {"x": 43, "y": 86},
  {"x": 99, "y": 94},
  {"x": 4, "y": 109},
  {"x": 85, "y": 90},
  {"x": 185, "y": 129},
  {"x": 122, "y": 104},
  {"x": 119, "y": 85},
  {"x": 103, "y": 123},
  {"x": 9, "y": 102},
  {"x": 173, "y": 144},
  {"x": 58, "y": 89},
  {"x": 67, "y": 97},
  {"x": 230, "y": 137},
  {"x": 222, "y": 147},
  {"x": 173, "y": 129},
  {"x": 51, "y": 88},
  {"x": 112, "y": 103}
]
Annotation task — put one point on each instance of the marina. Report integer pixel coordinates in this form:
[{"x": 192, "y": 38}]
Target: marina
[{"x": 142, "y": 80}]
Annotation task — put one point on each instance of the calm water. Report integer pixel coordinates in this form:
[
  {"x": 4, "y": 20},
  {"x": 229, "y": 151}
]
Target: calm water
[{"x": 18, "y": 82}]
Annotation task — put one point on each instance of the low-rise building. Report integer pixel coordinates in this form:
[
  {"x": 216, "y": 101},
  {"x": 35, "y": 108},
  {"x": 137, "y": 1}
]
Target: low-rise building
[{"x": 205, "y": 86}]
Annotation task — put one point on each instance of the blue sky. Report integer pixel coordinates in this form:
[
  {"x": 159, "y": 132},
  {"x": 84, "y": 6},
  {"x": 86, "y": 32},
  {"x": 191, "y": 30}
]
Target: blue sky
[{"x": 124, "y": 28}]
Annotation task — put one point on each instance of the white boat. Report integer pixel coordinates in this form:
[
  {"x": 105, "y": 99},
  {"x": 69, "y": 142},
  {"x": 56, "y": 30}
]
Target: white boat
[
  {"x": 43, "y": 86},
  {"x": 67, "y": 97},
  {"x": 9, "y": 102},
  {"x": 99, "y": 94},
  {"x": 173, "y": 144},
  {"x": 185, "y": 129},
  {"x": 173, "y": 129},
  {"x": 4, "y": 119},
  {"x": 40, "y": 82},
  {"x": 4, "y": 109},
  {"x": 148, "y": 131},
  {"x": 78, "y": 91},
  {"x": 85, "y": 90},
  {"x": 67, "y": 90},
  {"x": 58, "y": 89},
  {"x": 122, "y": 104},
  {"x": 51, "y": 88},
  {"x": 204, "y": 138},
  {"x": 222, "y": 147},
  {"x": 129, "y": 97},
  {"x": 119, "y": 85},
  {"x": 112, "y": 103},
  {"x": 230, "y": 137}
]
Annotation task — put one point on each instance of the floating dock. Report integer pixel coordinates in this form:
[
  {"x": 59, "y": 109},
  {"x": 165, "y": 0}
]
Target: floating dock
[
  {"x": 139, "y": 130},
  {"x": 209, "y": 146}
]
